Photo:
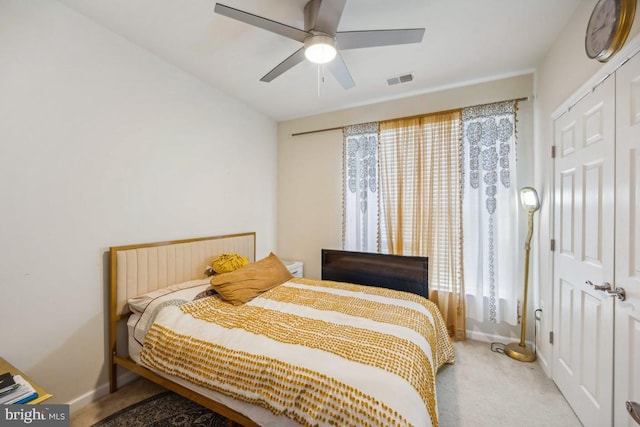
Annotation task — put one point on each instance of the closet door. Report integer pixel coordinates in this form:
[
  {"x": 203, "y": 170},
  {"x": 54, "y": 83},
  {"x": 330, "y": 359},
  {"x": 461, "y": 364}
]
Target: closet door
[
  {"x": 583, "y": 259},
  {"x": 627, "y": 245}
]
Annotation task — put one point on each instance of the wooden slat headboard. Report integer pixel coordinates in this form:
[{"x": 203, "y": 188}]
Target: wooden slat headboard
[{"x": 138, "y": 269}]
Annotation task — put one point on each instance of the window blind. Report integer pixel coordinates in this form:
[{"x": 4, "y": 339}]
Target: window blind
[{"x": 420, "y": 197}]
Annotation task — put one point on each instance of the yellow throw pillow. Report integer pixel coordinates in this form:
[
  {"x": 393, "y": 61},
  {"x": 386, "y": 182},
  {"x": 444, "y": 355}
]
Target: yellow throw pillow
[
  {"x": 228, "y": 262},
  {"x": 246, "y": 283}
]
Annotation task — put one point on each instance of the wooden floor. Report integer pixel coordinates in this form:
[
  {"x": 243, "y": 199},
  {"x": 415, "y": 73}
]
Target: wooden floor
[{"x": 127, "y": 395}]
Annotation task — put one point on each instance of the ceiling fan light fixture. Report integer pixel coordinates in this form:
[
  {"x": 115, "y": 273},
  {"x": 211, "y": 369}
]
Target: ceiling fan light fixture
[{"x": 320, "y": 49}]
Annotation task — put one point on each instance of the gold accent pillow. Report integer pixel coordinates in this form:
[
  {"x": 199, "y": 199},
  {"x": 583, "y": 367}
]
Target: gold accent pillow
[
  {"x": 226, "y": 263},
  {"x": 246, "y": 283}
]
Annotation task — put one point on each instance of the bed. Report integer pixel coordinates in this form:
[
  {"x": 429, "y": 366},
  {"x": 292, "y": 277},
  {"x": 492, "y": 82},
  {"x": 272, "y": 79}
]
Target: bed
[{"x": 304, "y": 352}]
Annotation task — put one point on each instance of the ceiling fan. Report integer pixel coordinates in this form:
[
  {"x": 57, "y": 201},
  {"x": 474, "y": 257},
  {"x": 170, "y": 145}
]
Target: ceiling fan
[{"x": 321, "y": 39}]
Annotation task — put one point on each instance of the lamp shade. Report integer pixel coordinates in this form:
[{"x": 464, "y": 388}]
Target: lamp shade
[
  {"x": 529, "y": 199},
  {"x": 320, "y": 49}
]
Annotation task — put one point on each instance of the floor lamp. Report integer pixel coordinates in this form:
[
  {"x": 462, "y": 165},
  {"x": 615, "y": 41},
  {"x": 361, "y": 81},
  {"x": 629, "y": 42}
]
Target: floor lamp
[{"x": 520, "y": 351}]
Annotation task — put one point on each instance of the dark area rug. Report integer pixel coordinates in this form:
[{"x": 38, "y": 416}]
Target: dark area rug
[{"x": 166, "y": 409}]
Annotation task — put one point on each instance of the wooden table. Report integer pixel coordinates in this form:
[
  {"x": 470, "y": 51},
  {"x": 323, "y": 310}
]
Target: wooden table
[{"x": 8, "y": 367}]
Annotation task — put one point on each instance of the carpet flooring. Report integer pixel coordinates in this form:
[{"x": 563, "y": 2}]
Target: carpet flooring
[{"x": 482, "y": 389}]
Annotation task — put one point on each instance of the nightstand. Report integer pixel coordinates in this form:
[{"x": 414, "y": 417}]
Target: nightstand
[
  {"x": 296, "y": 268},
  {"x": 42, "y": 394}
]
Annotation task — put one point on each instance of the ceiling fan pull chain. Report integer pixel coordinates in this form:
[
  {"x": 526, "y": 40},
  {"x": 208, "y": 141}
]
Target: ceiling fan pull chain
[{"x": 320, "y": 78}]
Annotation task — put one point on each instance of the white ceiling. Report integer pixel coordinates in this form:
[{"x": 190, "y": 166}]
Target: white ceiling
[{"x": 465, "y": 41}]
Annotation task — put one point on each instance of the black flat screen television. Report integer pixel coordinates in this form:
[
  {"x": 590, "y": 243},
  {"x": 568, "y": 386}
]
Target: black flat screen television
[{"x": 403, "y": 273}]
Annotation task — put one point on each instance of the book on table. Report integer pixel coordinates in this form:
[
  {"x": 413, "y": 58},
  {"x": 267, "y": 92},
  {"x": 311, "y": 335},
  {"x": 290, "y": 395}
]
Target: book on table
[
  {"x": 7, "y": 382},
  {"x": 16, "y": 391}
]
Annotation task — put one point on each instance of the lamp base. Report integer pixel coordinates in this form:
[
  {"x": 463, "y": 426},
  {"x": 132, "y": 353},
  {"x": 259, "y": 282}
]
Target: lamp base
[{"x": 518, "y": 352}]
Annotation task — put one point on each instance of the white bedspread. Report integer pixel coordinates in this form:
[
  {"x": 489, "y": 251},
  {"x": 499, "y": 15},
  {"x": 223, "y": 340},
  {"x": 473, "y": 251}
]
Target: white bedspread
[{"x": 318, "y": 353}]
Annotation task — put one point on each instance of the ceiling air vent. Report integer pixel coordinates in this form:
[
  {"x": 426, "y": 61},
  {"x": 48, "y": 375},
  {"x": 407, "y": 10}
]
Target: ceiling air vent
[{"x": 404, "y": 78}]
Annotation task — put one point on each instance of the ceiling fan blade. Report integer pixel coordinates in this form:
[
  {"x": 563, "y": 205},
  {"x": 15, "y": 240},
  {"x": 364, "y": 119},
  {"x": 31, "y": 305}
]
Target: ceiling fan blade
[
  {"x": 323, "y": 15},
  {"x": 340, "y": 71},
  {"x": 373, "y": 38},
  {"x": 290, "y": 62},
  {"x": 260, "y": 22}
]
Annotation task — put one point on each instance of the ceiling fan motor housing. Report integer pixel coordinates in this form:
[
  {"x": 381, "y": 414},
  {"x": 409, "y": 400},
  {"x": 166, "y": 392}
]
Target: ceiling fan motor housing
[{"x": 320, "y": 48}]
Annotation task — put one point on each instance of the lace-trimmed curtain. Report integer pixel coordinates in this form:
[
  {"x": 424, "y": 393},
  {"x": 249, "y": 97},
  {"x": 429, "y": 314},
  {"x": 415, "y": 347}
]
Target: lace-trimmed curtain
[
  {"x": 490, "y": 212},
  {"x": 420, "y": 199},
  {"x": 360, "y": 220}
]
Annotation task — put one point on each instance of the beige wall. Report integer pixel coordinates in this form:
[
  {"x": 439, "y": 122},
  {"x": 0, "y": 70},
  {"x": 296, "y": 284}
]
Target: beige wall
[
  {"x": 562, "y": 72},
  {"x": 310, "y": 170}
]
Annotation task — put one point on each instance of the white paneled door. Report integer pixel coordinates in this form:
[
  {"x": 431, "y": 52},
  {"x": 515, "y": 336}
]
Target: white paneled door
[
  {"x": 627, "y": 252},
  {"x": 596, "y": 356},
  {"x": 584, "y": 256}
]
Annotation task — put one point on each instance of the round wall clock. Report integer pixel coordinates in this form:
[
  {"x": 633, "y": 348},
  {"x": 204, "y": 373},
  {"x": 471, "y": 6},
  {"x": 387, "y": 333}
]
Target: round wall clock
[{"x": 608, "y": 28}]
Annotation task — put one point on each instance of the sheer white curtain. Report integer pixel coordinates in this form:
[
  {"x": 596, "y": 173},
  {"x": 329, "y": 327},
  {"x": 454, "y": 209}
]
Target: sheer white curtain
[
  {"x": 360, "y": 220},
  {"x": 490, "y": 212}
]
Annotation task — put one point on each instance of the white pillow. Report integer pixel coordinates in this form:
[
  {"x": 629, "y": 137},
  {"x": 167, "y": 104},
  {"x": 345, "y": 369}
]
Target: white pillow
[{"x": 138, "y": 303}]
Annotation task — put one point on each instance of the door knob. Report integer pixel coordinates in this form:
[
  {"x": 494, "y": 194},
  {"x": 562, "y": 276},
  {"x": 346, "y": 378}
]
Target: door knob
[
  {"x": 605, "y": 287},
  {"x": 619, "y": 292},
  {"x": 634, "y": 410}
]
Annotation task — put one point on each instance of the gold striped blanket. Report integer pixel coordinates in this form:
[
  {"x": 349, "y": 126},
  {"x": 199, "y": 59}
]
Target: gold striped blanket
[{"x": 318, "y": 352}]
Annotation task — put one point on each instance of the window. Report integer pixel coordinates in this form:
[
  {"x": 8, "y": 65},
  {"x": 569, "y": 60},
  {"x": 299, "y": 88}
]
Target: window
[
  {"x": 440, "y": 178},
  {"x": 418, "y": 210}
]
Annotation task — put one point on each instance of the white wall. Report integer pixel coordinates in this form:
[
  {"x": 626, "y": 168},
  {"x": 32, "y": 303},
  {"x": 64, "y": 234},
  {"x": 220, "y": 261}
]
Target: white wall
[
  {"x": 310, "y": 172},
  {"x": 102, "y": 144},
  {"x": 563, "y": 71}
]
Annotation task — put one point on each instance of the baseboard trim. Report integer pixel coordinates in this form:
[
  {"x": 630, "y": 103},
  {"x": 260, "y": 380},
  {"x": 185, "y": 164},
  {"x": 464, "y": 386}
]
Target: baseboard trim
[
  {"x": 482, "y": 336},
  {"x": 542, "y": 361},
  {"x": 98, "y": 392},
  {"x": 491, "y": 338}
]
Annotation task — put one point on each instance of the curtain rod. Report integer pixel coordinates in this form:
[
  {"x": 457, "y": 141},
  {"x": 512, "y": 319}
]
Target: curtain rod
[
  {"x": 316, "y": 131},
  {"x": 526, "y": 98}
]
